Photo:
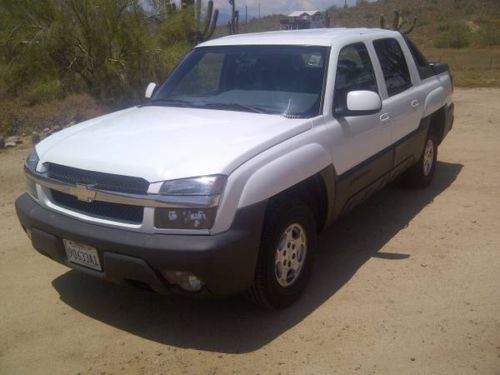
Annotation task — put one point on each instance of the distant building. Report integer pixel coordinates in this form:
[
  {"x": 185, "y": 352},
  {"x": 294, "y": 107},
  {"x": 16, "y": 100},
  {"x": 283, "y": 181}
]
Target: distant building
[{"x": 304, "y": 19}]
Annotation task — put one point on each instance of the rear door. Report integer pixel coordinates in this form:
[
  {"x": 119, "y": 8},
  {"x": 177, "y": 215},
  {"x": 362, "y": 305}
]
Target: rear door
[{"x": 403, "y": 103}]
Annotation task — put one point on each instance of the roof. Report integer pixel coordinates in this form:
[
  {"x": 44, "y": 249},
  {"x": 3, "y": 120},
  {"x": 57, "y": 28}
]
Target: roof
[
  {"x": 299, "y": 13},
  {"x": 312, "y": 37}
]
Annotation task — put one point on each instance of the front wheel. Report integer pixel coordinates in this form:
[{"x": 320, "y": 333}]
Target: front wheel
[
  {"x": 420, "y": 175},
  {"x": 286, "y": 255}
]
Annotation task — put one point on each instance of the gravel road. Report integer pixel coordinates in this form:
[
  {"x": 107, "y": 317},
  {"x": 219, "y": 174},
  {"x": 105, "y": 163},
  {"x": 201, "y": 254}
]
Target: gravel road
[{"x": 408, "y": 283}]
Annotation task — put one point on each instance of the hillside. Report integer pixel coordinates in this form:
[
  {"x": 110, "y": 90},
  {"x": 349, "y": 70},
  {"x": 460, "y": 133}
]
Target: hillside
[{"x": 475, "y": 21}]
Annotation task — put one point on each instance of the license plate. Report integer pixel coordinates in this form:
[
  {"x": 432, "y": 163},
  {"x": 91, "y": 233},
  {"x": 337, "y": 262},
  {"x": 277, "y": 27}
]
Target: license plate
[{"x": 83, "y": 255}]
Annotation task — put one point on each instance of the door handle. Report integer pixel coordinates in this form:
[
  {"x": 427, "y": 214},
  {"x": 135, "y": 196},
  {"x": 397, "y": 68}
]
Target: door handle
[
  {"x": 385, "y": 117},
  {"x": 414, "y": 103}
]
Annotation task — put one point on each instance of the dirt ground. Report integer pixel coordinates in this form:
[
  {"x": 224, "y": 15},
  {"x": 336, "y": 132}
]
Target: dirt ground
[{"x": 409, "y": 283}]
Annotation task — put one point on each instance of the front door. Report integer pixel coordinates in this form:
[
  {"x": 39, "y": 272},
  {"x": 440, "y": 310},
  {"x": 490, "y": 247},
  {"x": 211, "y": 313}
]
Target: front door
[{"x": 359, "y": 139}]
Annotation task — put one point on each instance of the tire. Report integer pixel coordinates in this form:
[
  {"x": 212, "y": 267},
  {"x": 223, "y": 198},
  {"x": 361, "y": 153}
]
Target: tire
[
  {"x": 420, "y": 174},
  {"x": 289, "y": 233}
]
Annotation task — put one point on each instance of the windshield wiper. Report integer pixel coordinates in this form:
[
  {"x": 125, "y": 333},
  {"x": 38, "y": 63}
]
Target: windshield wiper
[
  {"x": 234, "y": 106},
  {"x": 173, "y": 102},
  {"x": 228, "y": 106}
]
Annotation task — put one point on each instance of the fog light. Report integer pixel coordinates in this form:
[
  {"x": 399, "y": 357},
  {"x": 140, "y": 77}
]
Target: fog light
[
  {"x": 185, "y": 218},
  {"x": 185, "y": 280}
]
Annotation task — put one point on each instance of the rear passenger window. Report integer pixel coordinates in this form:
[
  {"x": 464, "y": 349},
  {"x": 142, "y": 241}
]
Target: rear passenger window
[
  {"x": 423, "y": 67},
  {"x": 394, "y": 66},
  {"x": 354, "y": 72}
]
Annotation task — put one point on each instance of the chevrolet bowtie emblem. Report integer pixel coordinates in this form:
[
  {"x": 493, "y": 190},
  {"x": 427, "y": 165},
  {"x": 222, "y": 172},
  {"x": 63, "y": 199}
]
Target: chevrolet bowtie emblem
[{"x": 84, "y": 193}]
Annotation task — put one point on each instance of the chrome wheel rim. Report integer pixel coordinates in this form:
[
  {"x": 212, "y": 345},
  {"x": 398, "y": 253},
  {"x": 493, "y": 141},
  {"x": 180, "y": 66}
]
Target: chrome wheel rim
[
  {"x": 428, "y": 157},
  {"x": 290, "y": 255}
]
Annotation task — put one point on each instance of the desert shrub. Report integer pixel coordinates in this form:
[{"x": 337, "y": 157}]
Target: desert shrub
[
  {"x": 443, "y": 27},
  {"x": 17, "y": 117},
  {"x": 3, "y": 83},
  {"x": 40, "y": 92},
  {"x": 458, "y": 35},
  {"x": 489, "y": 35}
]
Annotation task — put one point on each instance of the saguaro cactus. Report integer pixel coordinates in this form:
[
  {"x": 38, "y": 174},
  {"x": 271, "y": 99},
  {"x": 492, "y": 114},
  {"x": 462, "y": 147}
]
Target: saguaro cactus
[
  {"x": 398, "y": 23},
  {"x": 205, "y": 28}
]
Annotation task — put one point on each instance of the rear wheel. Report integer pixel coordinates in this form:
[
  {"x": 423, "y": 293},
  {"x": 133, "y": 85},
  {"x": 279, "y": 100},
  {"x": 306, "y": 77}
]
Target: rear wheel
[
  {"x": 286, "y": 255},
  {"x": 420, "y": 175}
]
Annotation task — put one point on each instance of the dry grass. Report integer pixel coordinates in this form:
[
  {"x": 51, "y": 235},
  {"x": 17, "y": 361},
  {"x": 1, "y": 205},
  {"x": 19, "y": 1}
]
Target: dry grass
[
  {"x": 16, "y": 117},
  {"x": 470, "y": 67}
]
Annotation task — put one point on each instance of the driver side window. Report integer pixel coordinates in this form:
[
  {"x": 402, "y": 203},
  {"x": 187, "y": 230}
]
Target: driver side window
[{"x": 354, "y": 72}]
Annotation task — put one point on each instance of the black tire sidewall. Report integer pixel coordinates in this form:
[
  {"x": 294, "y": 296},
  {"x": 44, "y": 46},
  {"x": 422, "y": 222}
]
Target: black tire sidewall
[
  {"x": 279, "y": 218},
  {"x": 414, "y": 177},
  {"x": 427, "y": 179}
]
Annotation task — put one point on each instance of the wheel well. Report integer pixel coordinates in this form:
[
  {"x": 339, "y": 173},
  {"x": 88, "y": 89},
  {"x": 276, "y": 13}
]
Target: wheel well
[
  {"x": 312, "y": 192},
  {"x": 437, "y": 124}
]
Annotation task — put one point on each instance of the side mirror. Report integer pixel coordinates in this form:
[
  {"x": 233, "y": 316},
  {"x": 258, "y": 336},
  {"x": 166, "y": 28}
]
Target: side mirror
[
  {"x": 363, "y": 103},
  {"x": 150, "y": 90}
]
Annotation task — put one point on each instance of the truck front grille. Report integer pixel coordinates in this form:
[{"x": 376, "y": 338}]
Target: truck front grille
[
  {"x": 101, "y": 181},
  {"x": 110, "y": 211}
]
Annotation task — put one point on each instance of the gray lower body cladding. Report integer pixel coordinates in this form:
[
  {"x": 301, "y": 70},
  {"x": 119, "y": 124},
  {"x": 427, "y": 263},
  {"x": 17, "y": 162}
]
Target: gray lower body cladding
[{"x": 224, "y": 262}]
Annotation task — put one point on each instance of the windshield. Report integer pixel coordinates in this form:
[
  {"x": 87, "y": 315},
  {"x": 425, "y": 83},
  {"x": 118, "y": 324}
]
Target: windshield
[{"x": 286, "y": 80}]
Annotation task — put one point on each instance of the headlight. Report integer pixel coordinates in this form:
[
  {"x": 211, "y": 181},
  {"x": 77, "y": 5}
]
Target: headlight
[
  {"x": 191, "y": 216},
  {"x": 206, "y": 185},
  {"x": 31, "y": 164}
]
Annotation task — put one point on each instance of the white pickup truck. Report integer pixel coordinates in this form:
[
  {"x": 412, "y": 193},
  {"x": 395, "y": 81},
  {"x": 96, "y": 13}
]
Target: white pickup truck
[{"x": 222, "y": 180}]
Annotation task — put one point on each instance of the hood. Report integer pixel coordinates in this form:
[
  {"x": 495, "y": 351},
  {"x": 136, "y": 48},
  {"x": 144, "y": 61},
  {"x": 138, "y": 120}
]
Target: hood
[{"x": 164, "y": 143}]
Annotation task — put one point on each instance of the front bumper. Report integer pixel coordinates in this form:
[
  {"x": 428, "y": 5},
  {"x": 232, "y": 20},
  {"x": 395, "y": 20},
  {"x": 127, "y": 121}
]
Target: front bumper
[{"x": 224, "y": 262}]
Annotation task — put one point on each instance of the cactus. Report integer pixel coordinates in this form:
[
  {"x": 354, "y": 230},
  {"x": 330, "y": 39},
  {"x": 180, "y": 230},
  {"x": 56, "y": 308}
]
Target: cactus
[
  {"x": 206, "y": 28},
  {"x": 398, "y": 22},
  {"x": 234, "y": 25}
]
